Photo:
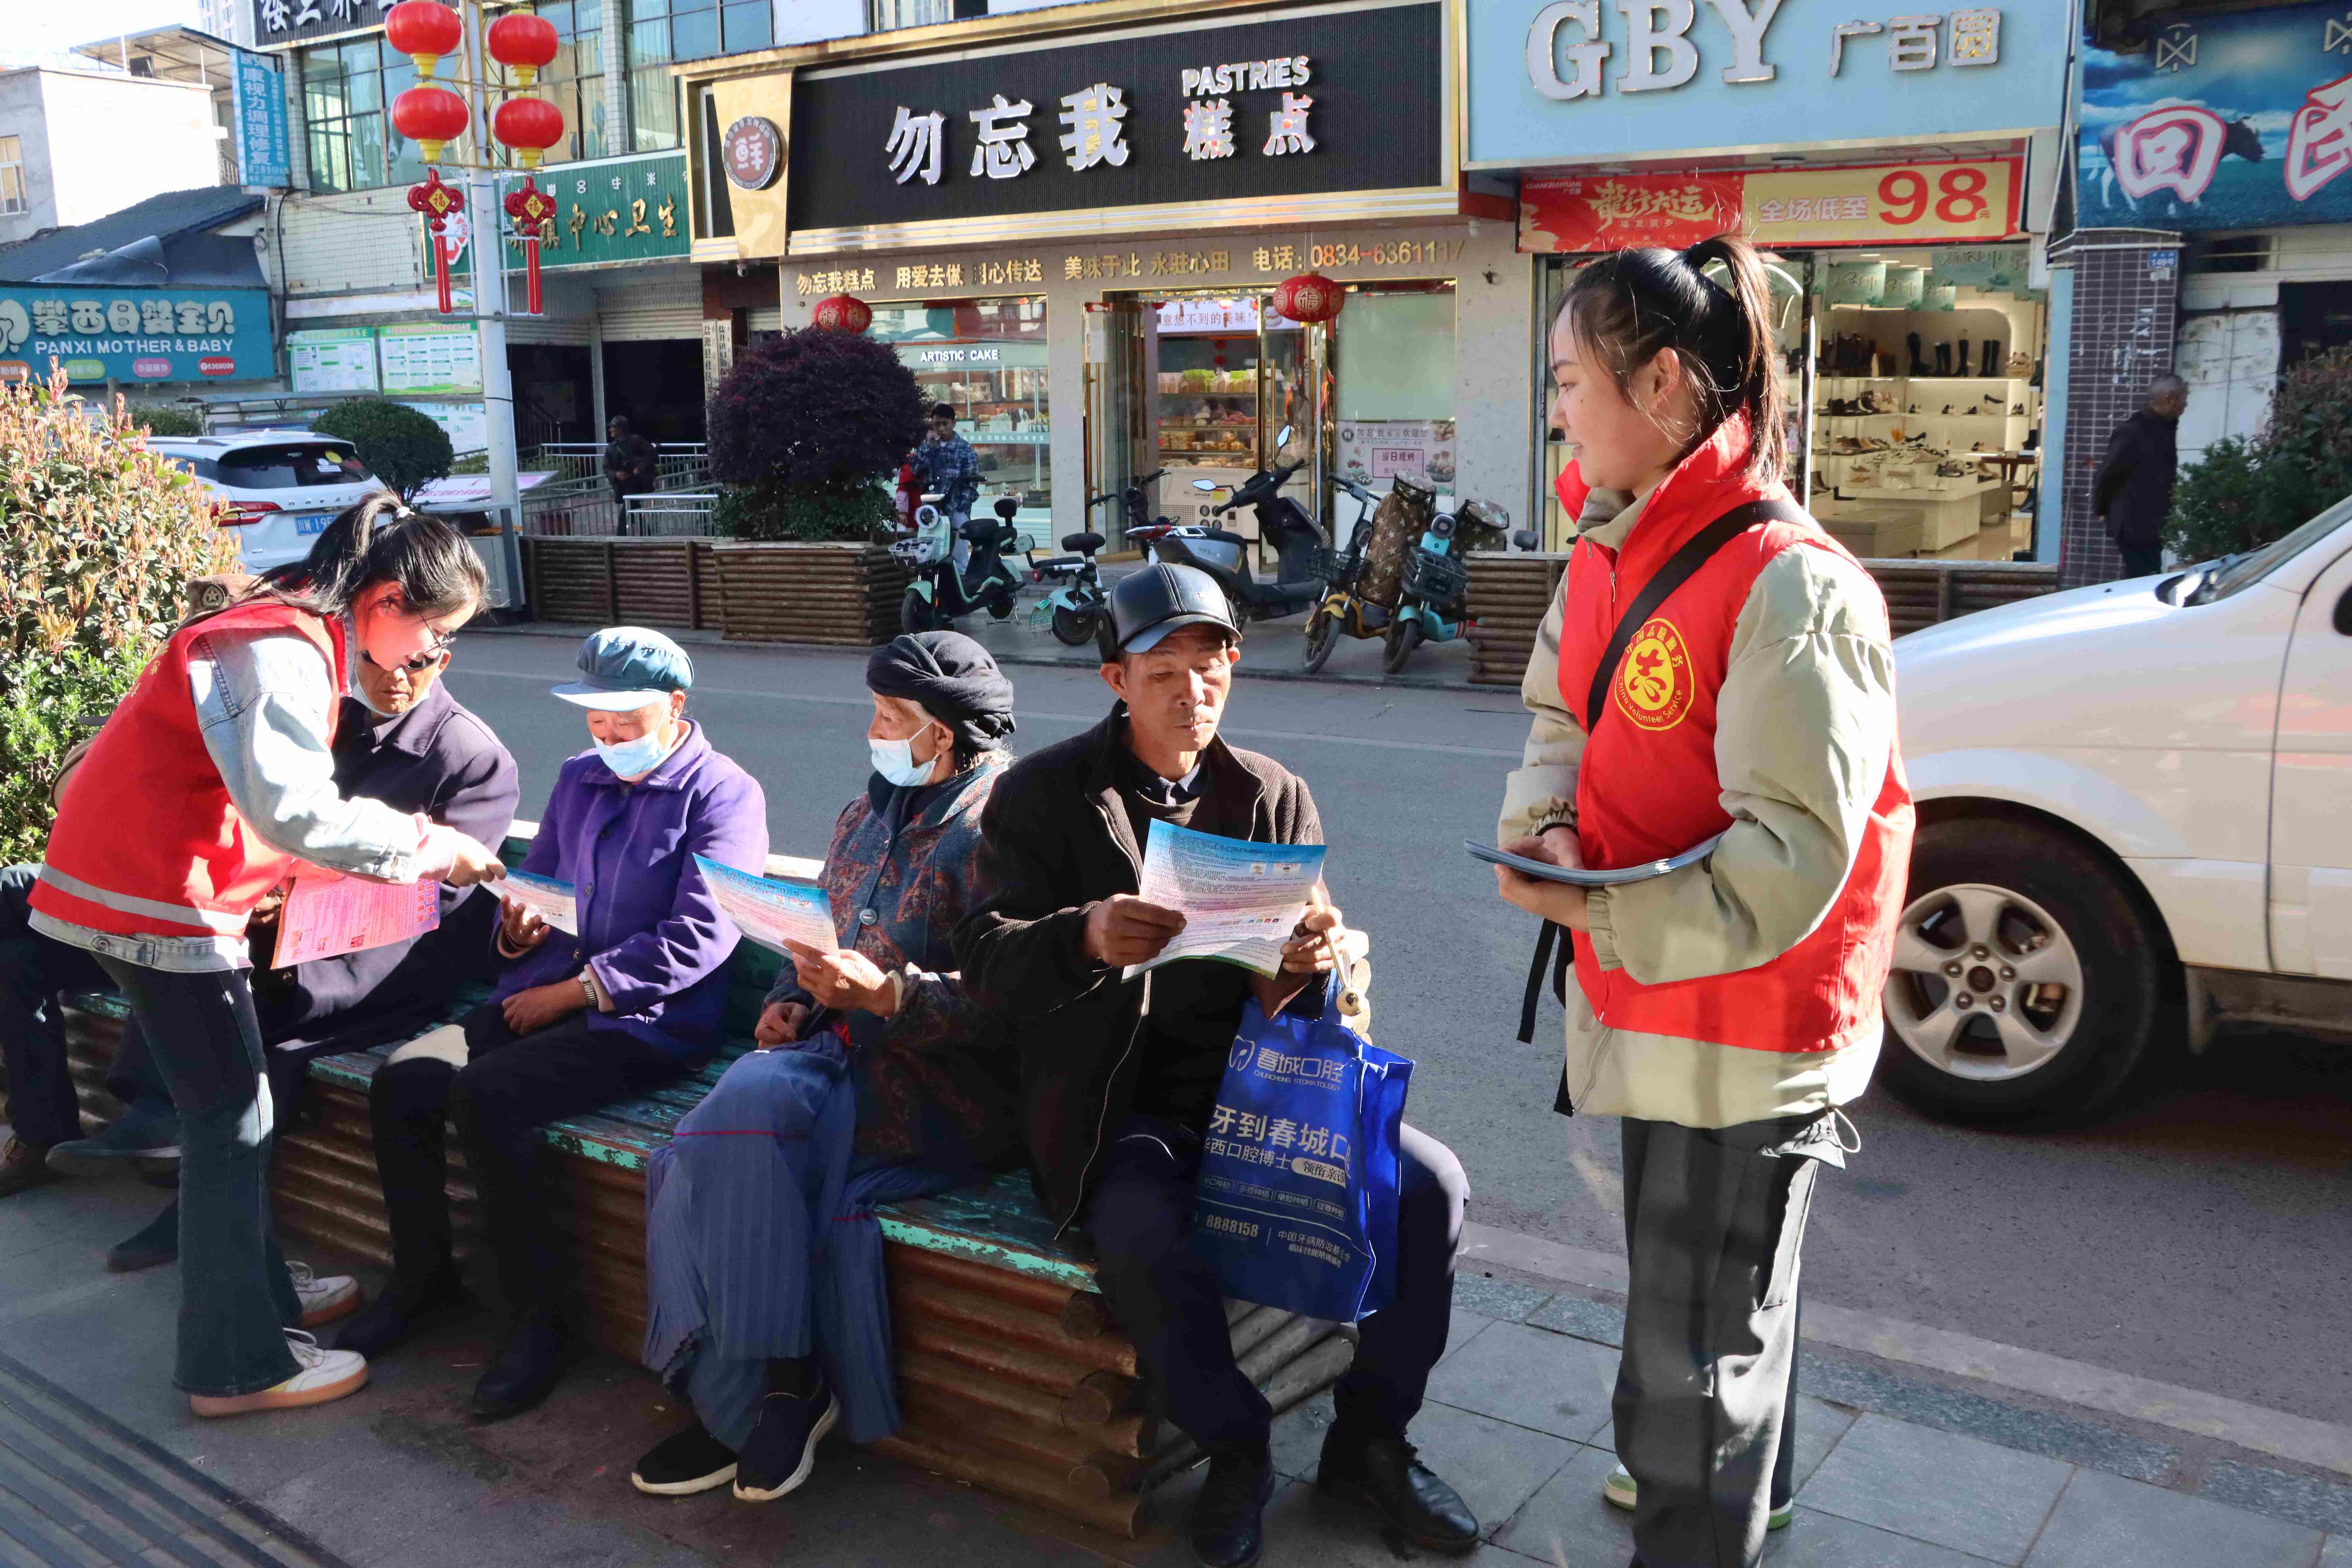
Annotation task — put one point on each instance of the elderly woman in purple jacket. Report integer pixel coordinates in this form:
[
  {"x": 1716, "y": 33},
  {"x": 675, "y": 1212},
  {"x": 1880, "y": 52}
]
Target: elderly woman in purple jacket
[{"x": 631, "y": 1003}]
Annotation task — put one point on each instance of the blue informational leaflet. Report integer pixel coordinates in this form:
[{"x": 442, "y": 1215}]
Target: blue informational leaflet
[
  {"x": 1581, "y": 876},
  {"x": 552, "y": 898},
  {"x": 1241, "y": 900},
  {"x": 771, "y": 913}
]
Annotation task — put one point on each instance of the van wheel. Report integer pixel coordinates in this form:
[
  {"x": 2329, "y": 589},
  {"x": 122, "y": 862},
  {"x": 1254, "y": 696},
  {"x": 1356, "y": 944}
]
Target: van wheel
[{"x": 2026, "y": 984}]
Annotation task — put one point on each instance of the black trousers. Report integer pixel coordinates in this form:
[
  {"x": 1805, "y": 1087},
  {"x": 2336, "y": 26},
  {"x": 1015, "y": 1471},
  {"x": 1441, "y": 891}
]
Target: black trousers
[
  {"x": 2142, "y": 560},
  {"x": 1715, "y": 1230},
  {"x": 1167, "y": 1297},
  {"x": 510, "y": 1088}
]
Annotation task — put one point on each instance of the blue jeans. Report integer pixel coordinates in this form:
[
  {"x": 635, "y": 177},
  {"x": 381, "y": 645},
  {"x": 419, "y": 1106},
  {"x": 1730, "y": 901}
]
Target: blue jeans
[{"x": 235, "y": 1296}]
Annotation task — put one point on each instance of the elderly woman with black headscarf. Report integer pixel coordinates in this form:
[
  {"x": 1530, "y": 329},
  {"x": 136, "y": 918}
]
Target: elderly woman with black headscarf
[{"x": 767, "y": 1308}]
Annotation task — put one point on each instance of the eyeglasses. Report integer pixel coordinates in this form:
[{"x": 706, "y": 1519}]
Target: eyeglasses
[{"x": 421, "y": 663}]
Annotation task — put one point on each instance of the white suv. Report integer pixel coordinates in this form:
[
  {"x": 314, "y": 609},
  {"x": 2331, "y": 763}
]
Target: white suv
[
  {"x": 280, "y": 488},
  {"x": 2134, "y": 803}
]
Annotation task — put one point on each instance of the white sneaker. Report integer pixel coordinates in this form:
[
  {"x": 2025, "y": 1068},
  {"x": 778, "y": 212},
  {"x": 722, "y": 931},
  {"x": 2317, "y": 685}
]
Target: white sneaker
[
  {"x": 1623, "y": 1491},
  {"x": 324, "y": 1298},
  {"x": 322, "y": 1375}
]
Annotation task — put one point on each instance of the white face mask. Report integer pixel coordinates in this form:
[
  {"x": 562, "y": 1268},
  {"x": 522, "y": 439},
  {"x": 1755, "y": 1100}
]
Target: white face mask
[
  {"x": 630, "y": 758},
  {"x": 894, "y": 761}
]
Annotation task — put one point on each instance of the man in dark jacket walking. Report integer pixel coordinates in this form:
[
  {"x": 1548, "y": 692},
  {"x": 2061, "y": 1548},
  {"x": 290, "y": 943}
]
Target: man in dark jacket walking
[
  {"x": 2133, "y": 490},
  {"x": 1118, "y": 1076},
  {"x": 629, "y": 464}
]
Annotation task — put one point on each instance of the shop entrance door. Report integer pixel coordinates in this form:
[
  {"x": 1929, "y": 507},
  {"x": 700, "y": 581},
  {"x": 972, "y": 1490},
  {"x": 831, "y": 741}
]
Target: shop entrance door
[{"x": 1201, "y": 384}]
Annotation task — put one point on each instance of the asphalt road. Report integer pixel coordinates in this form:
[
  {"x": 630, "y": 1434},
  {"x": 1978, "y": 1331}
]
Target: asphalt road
[{"x": 2201, "y": 1236}]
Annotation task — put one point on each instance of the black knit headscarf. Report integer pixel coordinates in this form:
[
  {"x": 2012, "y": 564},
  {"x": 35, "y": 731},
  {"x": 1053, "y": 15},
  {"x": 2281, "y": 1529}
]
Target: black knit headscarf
[{"x": 953, "y": 679}]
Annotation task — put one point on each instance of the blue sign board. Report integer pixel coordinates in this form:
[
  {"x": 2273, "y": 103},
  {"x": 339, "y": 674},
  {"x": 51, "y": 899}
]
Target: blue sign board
[
  {"x": 265, "y": 153},
  {"x": 1578, "y": 82},
  {"x": 2223, "y": 121},
  {"x": 111, "y": 332}
]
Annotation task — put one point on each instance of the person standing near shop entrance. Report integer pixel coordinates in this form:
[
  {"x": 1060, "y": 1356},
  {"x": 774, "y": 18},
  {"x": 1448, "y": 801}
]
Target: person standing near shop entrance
[
  {"x": 2133, "y": 491},
  {"x": 951, "y": 471},
  {"x": 1714, "y": 663}
]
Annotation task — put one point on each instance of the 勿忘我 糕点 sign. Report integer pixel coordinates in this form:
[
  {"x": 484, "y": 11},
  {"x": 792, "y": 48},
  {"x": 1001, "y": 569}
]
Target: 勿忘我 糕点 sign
[
  {"x": 1318, "y": 102},
  {"x": 111, "y": 332}
]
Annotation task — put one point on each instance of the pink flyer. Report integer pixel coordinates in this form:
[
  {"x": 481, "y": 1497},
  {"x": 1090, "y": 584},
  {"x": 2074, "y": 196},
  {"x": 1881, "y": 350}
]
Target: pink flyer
[{"x": 328, "y": 914}]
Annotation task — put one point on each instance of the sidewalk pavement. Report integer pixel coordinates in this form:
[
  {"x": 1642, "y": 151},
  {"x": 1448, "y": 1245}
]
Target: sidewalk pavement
[{"x": 1517, "y": 1417}]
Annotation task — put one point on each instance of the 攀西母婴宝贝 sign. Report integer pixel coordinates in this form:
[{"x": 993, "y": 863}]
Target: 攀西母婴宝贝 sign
[{"x": 111, "y": 332}]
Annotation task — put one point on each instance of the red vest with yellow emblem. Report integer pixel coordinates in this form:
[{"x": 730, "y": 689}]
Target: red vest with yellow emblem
[
  {"x": 1647, "y": 787},
  {"x": 147, "y": 841}
]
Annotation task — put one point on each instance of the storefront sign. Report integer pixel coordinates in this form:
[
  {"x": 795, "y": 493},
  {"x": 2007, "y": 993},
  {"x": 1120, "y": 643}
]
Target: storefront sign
[
  {"x": 331, "y": 359},
  {"x": 2229, "y": 120},
  {"x": 1582, "y": 81},
  {"x": 264, "y": 150},
  {"x": 427, "y": 356},
  {"x": 133, "y": 334},
  {"x": 611, "y": 213},
  {"x": 1879, "y": 204},
  {"x": 1376, "y": 449},
  {"x": 754, "y": 149},
  {"x": 1321, "y": 101},
  {"x": 277, "y": 22}
]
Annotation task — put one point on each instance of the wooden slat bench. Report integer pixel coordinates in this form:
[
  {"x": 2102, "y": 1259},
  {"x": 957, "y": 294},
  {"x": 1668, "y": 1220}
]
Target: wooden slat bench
[{"x": 1013, "y": 1373}]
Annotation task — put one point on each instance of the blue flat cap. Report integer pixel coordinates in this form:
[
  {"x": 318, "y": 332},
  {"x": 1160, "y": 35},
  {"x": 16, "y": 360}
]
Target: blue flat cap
[{"x": 626, "y": 668}]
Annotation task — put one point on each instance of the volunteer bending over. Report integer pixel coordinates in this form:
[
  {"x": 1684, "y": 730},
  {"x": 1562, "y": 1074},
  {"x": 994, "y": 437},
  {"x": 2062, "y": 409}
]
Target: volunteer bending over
[
  {"x": 212, "y": 776},
  {"x": 879, "y": 1079},
  {"x": 1740, "y": 993}
]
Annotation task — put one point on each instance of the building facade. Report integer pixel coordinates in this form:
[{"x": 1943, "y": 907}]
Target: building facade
[{"x": 62, "y": 132}]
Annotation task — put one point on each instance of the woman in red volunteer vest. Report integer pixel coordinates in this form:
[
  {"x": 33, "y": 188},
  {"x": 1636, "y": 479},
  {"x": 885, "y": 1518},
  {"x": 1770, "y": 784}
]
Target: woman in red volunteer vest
[
  {"x": 210, "y": 780},
  {"x": 1715, "y": 665}
]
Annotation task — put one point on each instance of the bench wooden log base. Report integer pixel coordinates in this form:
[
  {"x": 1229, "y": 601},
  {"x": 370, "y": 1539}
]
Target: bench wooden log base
[{"x": 1014, "y": 1375}]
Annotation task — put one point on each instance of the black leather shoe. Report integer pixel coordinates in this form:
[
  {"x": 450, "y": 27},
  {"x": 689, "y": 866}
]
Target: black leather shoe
[
  {"x": 1385, "y": 1474},
  {"x": 158, "y": 1243},
  {"x": 528, "y": 1372},
  {"x": 406, "y": 1308},
  {"x": 1228, "y": 1522},
  {"x": 23, "y": 1166}
]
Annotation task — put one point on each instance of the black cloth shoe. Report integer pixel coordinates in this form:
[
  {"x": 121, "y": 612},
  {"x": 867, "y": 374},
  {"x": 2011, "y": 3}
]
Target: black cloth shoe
[
  {"x": 526, "y": 1371},
  {"x": 23, "y": 1165},
  {"x": 1385, "y": 1474},
  {"x": 684, "y": 1463},
  {"x": 158, "y": 1243},
  {"x": 780, "y": 1452},
  {"x": 1228, "y": 1522},
  {"x": 406, "y": 1308}
]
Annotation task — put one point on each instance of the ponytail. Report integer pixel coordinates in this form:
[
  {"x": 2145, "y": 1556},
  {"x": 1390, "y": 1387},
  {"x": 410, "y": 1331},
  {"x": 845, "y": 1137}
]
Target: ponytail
[
  {"x": 379, "y": 541},
  {"x": 1631, "y": 306}
]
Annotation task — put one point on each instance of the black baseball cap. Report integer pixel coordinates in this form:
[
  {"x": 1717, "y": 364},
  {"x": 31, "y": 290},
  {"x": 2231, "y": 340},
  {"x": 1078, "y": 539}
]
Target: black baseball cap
[{"x": 1163, "y": 599}]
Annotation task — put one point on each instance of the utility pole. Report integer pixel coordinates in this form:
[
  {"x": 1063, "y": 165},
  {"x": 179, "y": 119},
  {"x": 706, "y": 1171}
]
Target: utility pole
[{"x": 487, "y": 221}]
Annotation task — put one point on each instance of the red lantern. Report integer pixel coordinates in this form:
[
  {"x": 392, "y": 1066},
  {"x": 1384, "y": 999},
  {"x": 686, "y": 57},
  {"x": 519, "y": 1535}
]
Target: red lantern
[
  {"x": 424, "y": 30},
  {"x": 530, "y": 126},
  {"x": 430, "y": 116},
  {"x": 437, "y": 202},
  {"x": 842, "y": 314},
  {"x": 1309, "y": 296},
  {"x": 522, "y": 41},
  {"x": 531, "y": 208}
]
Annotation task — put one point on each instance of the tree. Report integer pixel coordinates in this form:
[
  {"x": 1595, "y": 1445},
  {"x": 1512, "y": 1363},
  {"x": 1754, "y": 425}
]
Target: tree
[
  {"x": 98, "y": 538},
  {"x": 401, "y": 447},
  {"x": 806, "y": 428},
  {"x": 2242, "y": 494}
]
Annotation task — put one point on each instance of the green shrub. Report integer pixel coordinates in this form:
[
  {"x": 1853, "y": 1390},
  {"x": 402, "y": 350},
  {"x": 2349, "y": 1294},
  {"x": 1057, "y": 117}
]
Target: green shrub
[
  {"x": 401, "y": 447},
  {"x": 168, "y": 421},
  {"x": 98, "y": 540},
  {"x": 774, "y": 511},
  {"x": 2242, "y": 494}
]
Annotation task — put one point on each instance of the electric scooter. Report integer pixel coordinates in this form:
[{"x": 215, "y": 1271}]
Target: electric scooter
[
  {"x": 938, "y": 594},
  {"x": 1075, "y": 608},
  {"x": 1433, "y": 603},
  {"x": 1341, "y": 609},
  {"x": 1224, "y": 555}
]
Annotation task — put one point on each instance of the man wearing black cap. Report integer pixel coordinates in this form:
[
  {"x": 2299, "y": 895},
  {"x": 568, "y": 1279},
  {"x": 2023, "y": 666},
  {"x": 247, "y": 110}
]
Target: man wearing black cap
[{"x": 1117, "y": 1077}]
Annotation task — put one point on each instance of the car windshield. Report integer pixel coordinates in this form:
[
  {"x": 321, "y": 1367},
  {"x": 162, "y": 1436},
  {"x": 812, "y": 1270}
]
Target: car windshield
[
  {"x": 2219, "y": 579},
  {"x": 307, "y": 466}
]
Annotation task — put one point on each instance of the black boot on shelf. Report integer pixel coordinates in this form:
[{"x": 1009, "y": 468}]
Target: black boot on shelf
[
  {"x": 1919, "y": 360},
  {"x": 1943, "y": 359},
  {"x": 1964, "y": 356},
  {"x": 1988, "y": 358}
]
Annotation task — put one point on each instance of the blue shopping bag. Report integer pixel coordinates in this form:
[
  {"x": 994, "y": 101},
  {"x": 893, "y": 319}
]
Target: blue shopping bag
[{"x": 1297, "y": 1201}]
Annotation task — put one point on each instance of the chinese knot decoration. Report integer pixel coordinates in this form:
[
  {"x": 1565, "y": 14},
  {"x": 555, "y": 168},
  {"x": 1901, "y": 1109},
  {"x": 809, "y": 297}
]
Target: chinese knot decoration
[
  {"x": 437, "y": 202},
  {"x": 842, "y": 314},
  {"x": 529, "y": 208},
  {"x": 1308, "y": 296}
]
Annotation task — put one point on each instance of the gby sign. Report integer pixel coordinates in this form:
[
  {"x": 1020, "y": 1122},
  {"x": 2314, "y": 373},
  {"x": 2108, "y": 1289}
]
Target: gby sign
[{"x": 1584, "y": 81}]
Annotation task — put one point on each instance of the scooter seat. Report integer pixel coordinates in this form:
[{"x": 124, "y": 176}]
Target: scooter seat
[
  {"x": 1057, "y": 564},
  {"x": 1084, "y": 544}
]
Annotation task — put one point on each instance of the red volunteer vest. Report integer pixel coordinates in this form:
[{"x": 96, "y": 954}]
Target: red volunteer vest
[
  {"x": 1647, "y": 786},
  {"x": 146, "y": 841}
]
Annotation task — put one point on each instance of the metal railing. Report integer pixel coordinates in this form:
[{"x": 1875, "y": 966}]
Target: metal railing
[
  {"x": 581, "y": 505},
  {"x": 583, "y": 462},
  {"x": 669, "y": 514}
]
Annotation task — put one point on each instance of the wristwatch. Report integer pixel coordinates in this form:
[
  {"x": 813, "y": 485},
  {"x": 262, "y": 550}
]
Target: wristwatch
[{"x": 589, "y": 985}]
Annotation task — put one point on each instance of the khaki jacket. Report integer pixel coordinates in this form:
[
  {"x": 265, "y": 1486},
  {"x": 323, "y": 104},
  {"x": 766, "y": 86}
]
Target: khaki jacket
[{"x": 1806, "y": 722}]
